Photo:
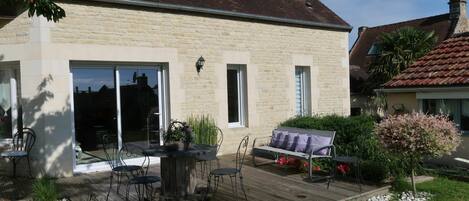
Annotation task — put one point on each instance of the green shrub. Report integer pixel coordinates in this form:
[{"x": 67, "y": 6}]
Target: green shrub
[
  {"x": 45, "y": 189},
  {"x": 374, "y": 171},
  {"x": 400, "y": 184},
  {"x": 204, "y": 128}
]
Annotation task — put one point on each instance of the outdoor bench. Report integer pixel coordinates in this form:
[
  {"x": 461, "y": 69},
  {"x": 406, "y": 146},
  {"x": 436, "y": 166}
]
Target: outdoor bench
[{"x": 304, "y": 144}]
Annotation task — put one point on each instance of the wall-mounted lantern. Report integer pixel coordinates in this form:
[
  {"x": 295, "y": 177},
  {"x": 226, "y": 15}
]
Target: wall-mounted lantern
[{"x": 200, "y": 64}]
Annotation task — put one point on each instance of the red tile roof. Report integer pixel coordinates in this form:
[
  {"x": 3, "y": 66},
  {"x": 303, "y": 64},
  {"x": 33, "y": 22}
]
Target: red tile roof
[
  {"x": 359, "y": 58},
  {"x": 302, "y": 12},
  {"x": 446, "y": 65}
]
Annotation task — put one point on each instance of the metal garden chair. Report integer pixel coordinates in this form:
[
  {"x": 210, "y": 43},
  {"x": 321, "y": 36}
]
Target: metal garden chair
[
  {"x": 206, "y": 161},
  {"x": 114, "y": 159},
  {"x": 23, "y": 142},
  {"x": 233, "y": 173},
  {"x": 141, "y": 180}
]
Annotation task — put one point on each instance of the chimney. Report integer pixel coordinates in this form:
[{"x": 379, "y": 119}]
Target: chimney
[
  {"x": 361, "y": 30},
  {"x": 458, "y": 16}
]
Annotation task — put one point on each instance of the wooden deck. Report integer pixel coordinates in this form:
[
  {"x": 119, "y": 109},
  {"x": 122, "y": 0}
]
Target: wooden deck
[{"x": 265, "y": 183}]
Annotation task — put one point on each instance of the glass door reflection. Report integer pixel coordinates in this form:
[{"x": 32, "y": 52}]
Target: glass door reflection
[
  {"x": 139, "y": 106},
  {"x": 95, "y": 111}
]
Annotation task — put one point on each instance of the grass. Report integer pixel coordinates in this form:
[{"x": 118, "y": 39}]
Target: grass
[{"x": 444, "y": 189}]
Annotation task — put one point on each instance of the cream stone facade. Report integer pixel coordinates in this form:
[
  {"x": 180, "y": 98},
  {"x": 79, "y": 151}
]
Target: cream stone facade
[{"x": 99, "y": 33}]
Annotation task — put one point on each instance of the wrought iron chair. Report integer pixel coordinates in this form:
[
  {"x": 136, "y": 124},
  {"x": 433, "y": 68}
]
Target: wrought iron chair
[
  {"x": 23, "y": 142},
  {"x": 206, "y": 161},
  {"x": 141, "y": 180},
  {"x": 114, "y": 159},
  {"x": 233, "y": 173}
]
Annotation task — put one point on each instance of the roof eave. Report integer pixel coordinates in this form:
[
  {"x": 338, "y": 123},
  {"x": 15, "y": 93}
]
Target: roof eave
[
  {"x": 229, "y": 14},
  {"x": 421, "y": 89}
]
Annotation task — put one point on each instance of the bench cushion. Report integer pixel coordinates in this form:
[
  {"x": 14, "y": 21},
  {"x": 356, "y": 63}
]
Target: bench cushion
[
  {"x": 316, "y": 142},
  {"x": 302, "y": 142},
  {"x": 290, "y": 144},
  {"x": 278, "y": 138}
]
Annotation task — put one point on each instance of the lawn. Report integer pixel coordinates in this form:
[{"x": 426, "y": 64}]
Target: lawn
[{"x": 444, "y": 189}]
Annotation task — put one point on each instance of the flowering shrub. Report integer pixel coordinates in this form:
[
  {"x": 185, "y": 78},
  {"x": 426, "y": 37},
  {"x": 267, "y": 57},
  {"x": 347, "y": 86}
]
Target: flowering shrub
[{"x": 416, "y": 135}]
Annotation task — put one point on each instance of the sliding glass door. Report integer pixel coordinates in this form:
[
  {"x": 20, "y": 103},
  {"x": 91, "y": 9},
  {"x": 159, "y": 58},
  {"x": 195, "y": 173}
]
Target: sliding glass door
[
  {"x": 119, "y": 101},
  {"x": 95, "y": 111}
]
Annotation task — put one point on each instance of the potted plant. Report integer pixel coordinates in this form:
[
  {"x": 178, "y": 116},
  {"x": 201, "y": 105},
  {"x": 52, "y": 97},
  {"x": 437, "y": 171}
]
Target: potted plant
[
  {"x": 178, "y": 136},
  {"x": 205, "y": 132}
]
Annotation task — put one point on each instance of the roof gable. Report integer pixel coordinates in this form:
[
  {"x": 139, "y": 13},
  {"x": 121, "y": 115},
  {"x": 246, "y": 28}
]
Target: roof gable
[{"x": 446, "y": 65}]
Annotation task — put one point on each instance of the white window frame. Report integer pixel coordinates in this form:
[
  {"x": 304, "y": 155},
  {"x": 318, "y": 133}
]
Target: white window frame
[
  {"x": 163, "y": 90},
  {"x": 305, "y": 88},
  {"x": 14, "y": 73},
  {"x": 242, "y": 95}
]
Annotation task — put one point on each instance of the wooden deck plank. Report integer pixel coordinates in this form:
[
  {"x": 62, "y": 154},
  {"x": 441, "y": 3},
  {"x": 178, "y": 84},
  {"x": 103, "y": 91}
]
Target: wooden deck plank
[{"x": 265, "y": 183}]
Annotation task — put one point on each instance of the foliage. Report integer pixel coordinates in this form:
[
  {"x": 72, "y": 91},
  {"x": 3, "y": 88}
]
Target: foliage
[
  {"x": 374, "y": 171},
  {"x": 178, "y": 131},
  {"x": 45, "y": 189},
  {"x": 400, "y": 184},
  {"x": 444, "y": 189},
  {"x": 416, "y": 135},
  {"x": 204, "y": 128},
  {"x": 397, "y": 50},
  {"x": 354, "y": 137},
  {"x": 353, "y": 134},
  {"x": 47, "y": 8}
]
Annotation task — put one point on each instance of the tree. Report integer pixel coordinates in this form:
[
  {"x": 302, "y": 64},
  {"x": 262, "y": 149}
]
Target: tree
[
  {"x": 397, "y": 50},
  {"x": 46, "y": 8},
  {"x": 416, "y": 135}
]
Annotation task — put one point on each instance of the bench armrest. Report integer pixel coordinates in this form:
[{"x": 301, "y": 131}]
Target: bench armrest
[
  {"x": 331, "y": 149},
  {"x": 260, "y": 138}
]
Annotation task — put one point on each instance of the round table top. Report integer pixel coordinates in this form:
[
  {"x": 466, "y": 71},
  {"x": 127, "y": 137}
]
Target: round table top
[{"x": 193, "y": 151}]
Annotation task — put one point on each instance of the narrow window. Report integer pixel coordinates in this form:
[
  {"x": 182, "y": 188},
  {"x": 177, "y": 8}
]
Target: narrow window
[
  {"x": 374, "y": 49},
  {"x": 236, "y": 88},
  {"x": 302, "y": 91}
]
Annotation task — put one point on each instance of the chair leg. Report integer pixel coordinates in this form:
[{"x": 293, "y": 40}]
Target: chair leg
[
  {"x": 331, "y": 174},
  {"x": 29, "y": 167},
  {"x": 14, "y": 167},
  {"x": 110, "y": 186},
  {"x": 236, "y": 186},
  {"x": 233, "y": 188},
  {"x": 242, "y": 186}
]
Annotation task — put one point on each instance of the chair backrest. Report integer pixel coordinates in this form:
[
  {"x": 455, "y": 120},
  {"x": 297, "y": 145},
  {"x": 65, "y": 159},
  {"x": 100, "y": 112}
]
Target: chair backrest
[
  {"x": 112, "y": 152},
  {"x": 219, "y": 139},
  {"x": 136, "y": 150},
  {"x": 241, "y": 153},
  {"x": 24, "y": 140}
]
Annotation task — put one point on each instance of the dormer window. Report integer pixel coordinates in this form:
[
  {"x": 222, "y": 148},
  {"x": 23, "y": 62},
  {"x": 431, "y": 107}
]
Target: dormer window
[{"x": 374, "y": 49}]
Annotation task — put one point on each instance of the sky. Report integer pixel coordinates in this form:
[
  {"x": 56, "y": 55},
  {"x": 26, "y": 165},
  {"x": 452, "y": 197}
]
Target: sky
[{"x": 378, "y": 12}]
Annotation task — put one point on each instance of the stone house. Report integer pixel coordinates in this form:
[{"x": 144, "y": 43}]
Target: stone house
[{"x": 265, "y": 61}]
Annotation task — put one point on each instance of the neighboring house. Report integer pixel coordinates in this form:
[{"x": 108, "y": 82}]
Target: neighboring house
[
  {"x": 364, "y": 50},
  {"x": 265, "y": 61},
  {"x": 437, "y": 83}
]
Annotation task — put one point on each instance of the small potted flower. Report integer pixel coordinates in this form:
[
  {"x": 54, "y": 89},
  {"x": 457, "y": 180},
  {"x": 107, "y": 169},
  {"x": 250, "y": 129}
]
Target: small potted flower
[{"x": 178, "y": 136}]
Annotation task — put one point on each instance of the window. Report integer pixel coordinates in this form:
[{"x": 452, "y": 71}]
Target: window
[
  {"x": 236, "y": 88},
  {"x": 374, "y": 49},
  {"x": 302, "y": 91},
  {"x": 456, "y": 109},
  {"x": 8, "y": 102}
]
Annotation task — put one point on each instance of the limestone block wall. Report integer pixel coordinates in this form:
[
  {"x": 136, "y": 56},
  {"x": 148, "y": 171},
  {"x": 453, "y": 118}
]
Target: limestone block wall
[{"x": 269, "y": 51}]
